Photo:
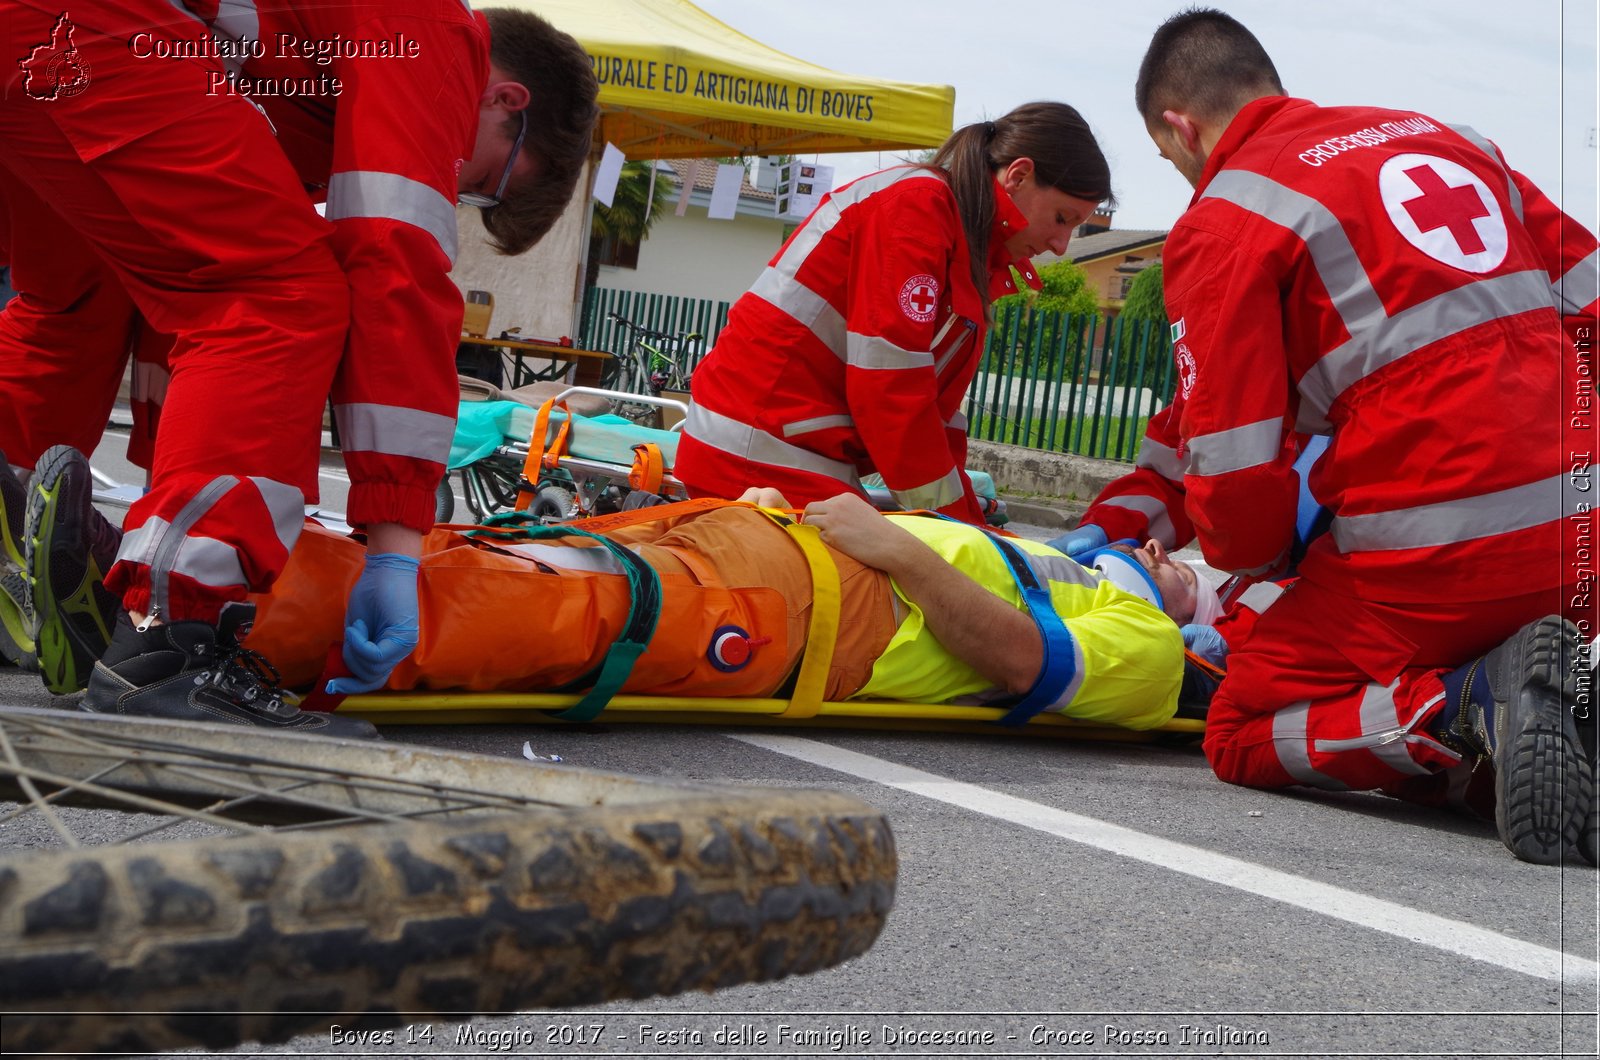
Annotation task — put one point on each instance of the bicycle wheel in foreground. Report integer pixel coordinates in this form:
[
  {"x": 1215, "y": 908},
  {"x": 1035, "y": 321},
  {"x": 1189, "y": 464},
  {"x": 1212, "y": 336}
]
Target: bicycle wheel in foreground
[{"x": 411, "y": 885}]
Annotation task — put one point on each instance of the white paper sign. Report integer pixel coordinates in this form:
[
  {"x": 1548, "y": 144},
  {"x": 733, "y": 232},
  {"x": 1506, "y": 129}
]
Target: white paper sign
[
  {"x": 801, "y": 186},
  {"x": 725, "y": 192},
  {"x": 607, "y": 174}
]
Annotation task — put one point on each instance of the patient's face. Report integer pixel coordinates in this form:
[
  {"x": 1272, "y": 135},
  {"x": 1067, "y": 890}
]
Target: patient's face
[{"x": 1177, "y": 581}]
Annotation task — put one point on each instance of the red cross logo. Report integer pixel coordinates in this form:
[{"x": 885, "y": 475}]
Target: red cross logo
[
  {"x": 1445, "y": 210},
  {"x": 919, "y": 297},
  {"x": 1442, "y": 206}
]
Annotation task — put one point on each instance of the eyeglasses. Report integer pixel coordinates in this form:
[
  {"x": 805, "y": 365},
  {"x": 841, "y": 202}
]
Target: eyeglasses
[{"x": 485, "y": 202}]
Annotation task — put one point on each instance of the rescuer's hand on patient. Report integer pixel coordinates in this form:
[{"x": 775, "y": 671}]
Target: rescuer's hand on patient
[
  {"x": 1081, "y": 542},
  {"x": 764, "y": 497},
  {"x": 381, "y": 622},
  {"x": 1207, "y": 643},
  {"x": 851, "y": 525}
]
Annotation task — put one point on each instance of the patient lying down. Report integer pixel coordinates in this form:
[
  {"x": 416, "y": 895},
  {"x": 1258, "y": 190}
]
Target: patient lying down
[{"x": 929, "y": 611}]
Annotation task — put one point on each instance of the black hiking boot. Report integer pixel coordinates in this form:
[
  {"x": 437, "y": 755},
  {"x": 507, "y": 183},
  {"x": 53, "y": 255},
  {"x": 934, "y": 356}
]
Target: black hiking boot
[
  {"x": 1515, "y": 709},
  {"x": 194, "y": 671},
  {"x": 1586, "y": 715},
  {"x": 16, "y": 614},
  {"x": 69, "y": 547}
]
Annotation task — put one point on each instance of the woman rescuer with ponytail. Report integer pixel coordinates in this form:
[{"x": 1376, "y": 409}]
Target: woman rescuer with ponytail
[{"x": 853, "y": 350}]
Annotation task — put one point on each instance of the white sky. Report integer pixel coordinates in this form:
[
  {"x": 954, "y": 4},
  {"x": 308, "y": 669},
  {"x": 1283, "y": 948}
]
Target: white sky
[{"x": 1521, "y": 73}]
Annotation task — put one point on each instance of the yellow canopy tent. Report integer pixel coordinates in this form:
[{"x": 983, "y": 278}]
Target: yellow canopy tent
[{"x": 677, "y": 83}]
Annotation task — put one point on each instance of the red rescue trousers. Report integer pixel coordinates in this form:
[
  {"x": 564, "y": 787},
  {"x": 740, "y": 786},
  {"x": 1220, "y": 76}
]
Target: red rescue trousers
[
  {"x": 189, "y": 201},
  {"x": 1335, "y": 692}
]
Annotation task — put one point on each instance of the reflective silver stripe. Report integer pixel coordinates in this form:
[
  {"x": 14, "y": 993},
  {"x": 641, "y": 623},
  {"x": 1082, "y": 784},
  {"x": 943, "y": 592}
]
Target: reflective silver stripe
[
  {"x": 204, "y": 559},
  {"x": 876, "y": 353},
  {"x": 1155, "y": 513},
  {"x": 1293, "y": 749},
  {"x": 947, "y": 347},
  {"x": 1579, "y": 286},
  {"x": 287, "y": 506},
  {"x": 958, "y": 422},
  {"x": 946, "y": 489},
  {"x": 806, "y": 306},
  {"x": 1162, "y": 459},
  {"x": 1388, "y": 340},
  {"x": 168, "y": 539},
  {"x": 749, "y": 443},
  {"x": 208, "y": 560},
  {"x": 777, "y": 283},
  {"x": 1347, "y": 283},
  {"x": 1260, "y": 596},
  {"x": 1058, "y": 568},
  {"x": 1451, "y": 522},
  {"x": 392, "y": 430},
  {"x": 367, "y": 193},
  {"x": 1379, "y": 718},
  {"x": 1383, "y": 734},
  {"x": 1236, "y": 448},
  {"x": 238, "y": 19},
  {"x": 1482, "y": 144},
  {"x": 816, "y": 423}
]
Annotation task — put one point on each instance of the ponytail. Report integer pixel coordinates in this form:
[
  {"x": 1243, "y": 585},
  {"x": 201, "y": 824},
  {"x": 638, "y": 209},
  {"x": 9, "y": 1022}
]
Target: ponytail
[{"x": 1065, "y": 156}]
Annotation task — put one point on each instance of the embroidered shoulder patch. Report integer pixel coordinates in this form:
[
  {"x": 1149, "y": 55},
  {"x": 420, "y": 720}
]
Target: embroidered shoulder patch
[{"x": 919, "y": 298}]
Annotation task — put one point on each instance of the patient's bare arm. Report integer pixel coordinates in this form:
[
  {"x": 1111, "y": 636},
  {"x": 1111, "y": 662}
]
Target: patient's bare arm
[{"x": 982, "y": 630}]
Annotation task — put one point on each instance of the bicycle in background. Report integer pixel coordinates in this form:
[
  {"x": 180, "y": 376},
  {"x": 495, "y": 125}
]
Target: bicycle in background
[{"x": 654, "y": 361}]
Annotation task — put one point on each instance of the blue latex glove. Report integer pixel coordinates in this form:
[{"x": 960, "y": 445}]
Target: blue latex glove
[
  {"x": 381, "y": 625},
  {"x": 1207, "y": 643},
  {"x": 1080, "y": 542}
]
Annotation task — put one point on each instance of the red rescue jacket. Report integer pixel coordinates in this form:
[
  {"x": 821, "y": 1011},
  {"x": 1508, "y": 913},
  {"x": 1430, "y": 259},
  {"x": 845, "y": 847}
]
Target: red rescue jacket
[
  {"x": 1381, "y": 278},
  {"x": 852, "y": 353}
]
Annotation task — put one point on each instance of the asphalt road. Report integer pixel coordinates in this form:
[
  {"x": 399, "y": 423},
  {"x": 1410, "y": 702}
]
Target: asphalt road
[{"x": 1090, "y": 899}]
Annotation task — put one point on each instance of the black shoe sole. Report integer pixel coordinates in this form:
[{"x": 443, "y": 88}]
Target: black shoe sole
[
  {"x": 73, "y": 612},
  {"x": 1544, "y": 787}
]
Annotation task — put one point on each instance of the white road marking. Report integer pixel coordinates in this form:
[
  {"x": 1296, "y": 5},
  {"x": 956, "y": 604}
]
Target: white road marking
[{"x": 1413, "y": 925}]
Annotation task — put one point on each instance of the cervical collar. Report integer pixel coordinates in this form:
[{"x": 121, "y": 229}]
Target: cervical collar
[{"x": 1126, "y": 573}]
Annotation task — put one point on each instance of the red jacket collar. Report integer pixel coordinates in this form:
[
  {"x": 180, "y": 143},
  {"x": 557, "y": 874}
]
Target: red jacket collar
[
  {"x": 1008, "y": 221},
  {"x": 1252, "y": 117}
]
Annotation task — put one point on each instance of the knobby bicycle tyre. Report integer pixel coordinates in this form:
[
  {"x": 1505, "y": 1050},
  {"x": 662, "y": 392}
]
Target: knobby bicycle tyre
[{"x": 643, "y": 888}]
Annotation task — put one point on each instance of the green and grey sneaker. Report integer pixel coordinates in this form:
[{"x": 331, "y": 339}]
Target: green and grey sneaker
[
  {"x": 16, "y": 614},
  {"x": 69, "y": 547},
  {"x": 16, "y": 622}
]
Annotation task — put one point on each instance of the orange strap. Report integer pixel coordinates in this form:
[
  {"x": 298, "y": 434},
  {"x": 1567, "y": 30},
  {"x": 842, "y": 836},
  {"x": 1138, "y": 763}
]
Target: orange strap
[
  {"x": 599, "y": 524},
  {"x": 539, "y": 458},
  {"x": 648, "y": 468}
]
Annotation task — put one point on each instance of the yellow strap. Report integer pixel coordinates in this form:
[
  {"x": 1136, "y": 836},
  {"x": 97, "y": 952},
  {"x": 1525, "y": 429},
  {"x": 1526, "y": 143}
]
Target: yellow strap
[{"x": 812, "y": 683}]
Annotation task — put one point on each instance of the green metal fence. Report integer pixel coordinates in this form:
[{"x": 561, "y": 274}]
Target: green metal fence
[
  {"x": 1063, "y": 382},
  {"x": 1070, "y": 382}
]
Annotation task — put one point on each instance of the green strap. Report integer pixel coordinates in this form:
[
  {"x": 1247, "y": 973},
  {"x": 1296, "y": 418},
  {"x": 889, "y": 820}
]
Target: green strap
[{"x": 644, "y": 608}]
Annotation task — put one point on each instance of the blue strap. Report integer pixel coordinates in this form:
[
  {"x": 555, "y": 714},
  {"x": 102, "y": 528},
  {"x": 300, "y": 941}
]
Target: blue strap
[{"x": 1060, "y": 653}]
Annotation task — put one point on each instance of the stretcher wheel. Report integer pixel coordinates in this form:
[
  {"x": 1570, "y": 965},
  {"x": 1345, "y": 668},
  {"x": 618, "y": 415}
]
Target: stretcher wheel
[
  {"x": 554, "y": 502},
  {"x": 435, "y": 885}
]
